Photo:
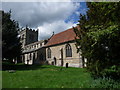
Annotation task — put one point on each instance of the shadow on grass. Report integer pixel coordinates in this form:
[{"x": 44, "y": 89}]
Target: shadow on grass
[{"x": 10, "y": 66}]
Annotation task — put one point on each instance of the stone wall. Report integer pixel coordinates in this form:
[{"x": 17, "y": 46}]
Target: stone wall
[
  {"x": 28, "y": 36},
  {"x": 34, "y": 57},
  {"x": 34, "y": 53},
  {"x": 31, "y": 36},
  {"x": 74, "y": 61},
  {"x": 22, "y": 34}
]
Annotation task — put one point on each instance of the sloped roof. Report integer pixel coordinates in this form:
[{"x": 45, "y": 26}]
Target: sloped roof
[{"x": 65, "y": 36}]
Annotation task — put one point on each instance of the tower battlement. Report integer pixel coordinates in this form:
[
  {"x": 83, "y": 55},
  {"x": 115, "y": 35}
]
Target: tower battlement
[{"x": 28, "y": 36}]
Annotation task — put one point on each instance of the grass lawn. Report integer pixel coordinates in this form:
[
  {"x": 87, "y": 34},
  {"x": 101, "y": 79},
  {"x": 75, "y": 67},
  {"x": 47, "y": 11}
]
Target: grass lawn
[{"x": 46, "y": 76}]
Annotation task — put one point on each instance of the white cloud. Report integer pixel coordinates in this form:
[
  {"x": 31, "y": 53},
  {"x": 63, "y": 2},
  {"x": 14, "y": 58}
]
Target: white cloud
[
  {"x": 78, "y": 13},
  {"x": 47, "y": 16},
  {"x": 47, "y": 29}
]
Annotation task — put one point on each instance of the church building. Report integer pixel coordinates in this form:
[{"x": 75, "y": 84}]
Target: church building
[
  {"x": 60, "y": 49},
  {"x": 32, "y": 49}
]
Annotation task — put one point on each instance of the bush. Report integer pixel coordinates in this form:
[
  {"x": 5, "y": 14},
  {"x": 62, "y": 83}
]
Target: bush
[
  {"x": 99, "y": 40},
  {"x": 104, "y": 83},
  {"x": 112, "y": 72}
]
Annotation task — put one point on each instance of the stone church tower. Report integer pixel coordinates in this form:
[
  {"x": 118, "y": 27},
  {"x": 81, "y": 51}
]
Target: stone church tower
[
  {"x": 28, "y": 36},
  {"x": 32, "y": 49}
]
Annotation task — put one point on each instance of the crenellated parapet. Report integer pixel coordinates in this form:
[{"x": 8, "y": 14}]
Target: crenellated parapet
[
  {"x": 28, "y": 36},
  {"x": 28, "y": 29}
]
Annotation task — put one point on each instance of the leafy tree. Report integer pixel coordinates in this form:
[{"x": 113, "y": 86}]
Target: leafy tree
[
  {"x": 11, "y": 46},
  {"x": 100, "y": 37}
]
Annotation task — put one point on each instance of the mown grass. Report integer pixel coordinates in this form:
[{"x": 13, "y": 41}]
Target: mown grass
[{"x": 47, "y": 76}]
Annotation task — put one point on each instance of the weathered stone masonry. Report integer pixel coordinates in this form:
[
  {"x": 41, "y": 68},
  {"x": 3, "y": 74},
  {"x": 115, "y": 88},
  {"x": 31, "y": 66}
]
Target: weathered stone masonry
[{"x": 59, "y": 49}]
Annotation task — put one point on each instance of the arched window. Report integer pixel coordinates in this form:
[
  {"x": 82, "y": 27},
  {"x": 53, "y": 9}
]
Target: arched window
[
  {"x": 68, "y": 50},
  {"x": 49, "y": 53}
]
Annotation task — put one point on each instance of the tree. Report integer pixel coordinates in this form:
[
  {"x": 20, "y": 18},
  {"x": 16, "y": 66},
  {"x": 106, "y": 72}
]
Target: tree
[
  {"x": 100, "y": 37},
  {"x": 11, "y": 46}
]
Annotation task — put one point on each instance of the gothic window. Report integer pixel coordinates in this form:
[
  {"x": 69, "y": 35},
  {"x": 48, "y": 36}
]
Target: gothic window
[
  {"x": 49, "y": 53},
  {"x": 68, "y": 50}
]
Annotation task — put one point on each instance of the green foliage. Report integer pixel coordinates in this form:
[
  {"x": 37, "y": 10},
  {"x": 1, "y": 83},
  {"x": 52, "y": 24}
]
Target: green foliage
[
  {"x": 113, "y": 72},
  {"x": 100, "y": 37},
  {"x": 10, "y": 42},
  {"x": 103, "y": 47},
  {"x": 104, "y": 83},
  {"x": 103, "y": 13}
]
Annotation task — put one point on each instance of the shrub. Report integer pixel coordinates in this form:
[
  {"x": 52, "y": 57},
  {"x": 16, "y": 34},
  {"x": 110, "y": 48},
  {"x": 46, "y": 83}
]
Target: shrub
[
  {"x": 112, "y": 72},
  {"x": 104, "y": 83}
]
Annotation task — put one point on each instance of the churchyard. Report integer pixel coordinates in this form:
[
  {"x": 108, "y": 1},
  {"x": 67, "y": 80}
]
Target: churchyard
[{"x": 48, "y": 76}]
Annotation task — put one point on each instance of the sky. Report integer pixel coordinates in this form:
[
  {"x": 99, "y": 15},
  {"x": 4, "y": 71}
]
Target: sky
[{"x": 47, "y": 17}]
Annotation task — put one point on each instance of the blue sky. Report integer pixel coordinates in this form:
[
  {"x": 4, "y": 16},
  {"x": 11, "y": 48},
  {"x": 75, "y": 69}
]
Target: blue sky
[
  {"x": 46, "y": 16},
  {"x": 75, "y": 17}
]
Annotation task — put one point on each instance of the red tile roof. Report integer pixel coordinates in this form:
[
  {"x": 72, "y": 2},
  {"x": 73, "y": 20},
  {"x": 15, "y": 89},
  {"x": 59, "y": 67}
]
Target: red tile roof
[{"x": 62, "y": 37}]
